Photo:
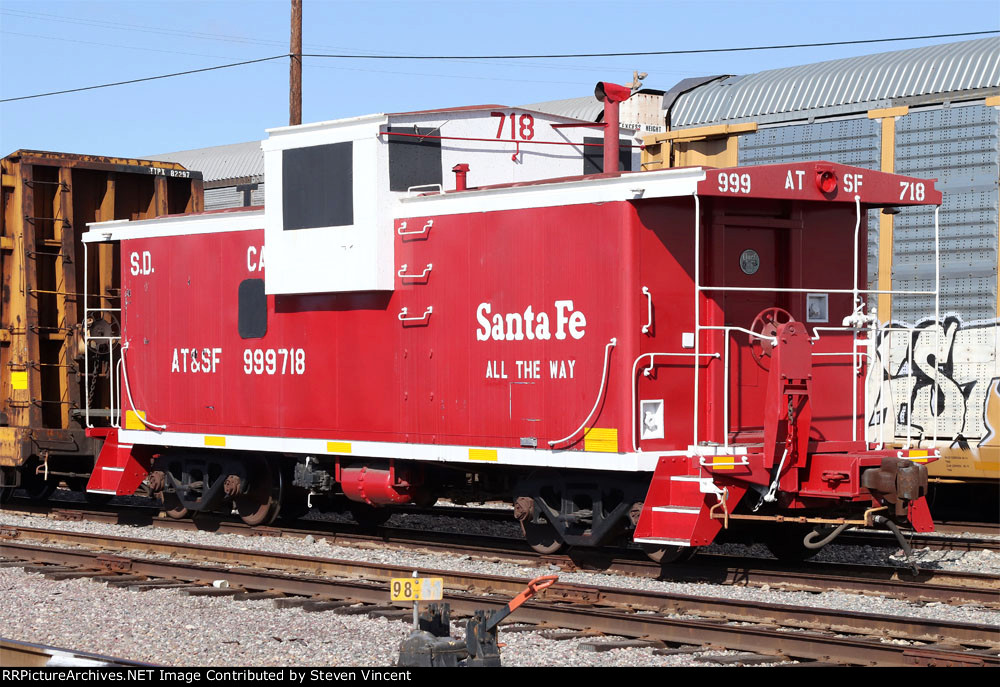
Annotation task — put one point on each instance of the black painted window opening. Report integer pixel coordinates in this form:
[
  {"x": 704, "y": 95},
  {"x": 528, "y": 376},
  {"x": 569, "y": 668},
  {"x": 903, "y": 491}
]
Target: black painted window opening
[
  {"x": 414, "y": 161},
  {"x": 318, "y": 186},
  {"x": 252, "y": 304},
  {"x": 593, "y": 156}
]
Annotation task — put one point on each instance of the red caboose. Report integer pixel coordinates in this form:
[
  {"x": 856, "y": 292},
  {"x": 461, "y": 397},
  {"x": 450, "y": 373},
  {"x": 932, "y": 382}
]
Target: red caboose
[{"x": 652, "y": 356}]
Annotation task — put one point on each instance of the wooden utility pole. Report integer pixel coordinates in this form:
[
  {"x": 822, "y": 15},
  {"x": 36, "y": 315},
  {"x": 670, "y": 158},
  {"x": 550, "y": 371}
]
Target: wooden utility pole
[{"x": 295, "y": 75}]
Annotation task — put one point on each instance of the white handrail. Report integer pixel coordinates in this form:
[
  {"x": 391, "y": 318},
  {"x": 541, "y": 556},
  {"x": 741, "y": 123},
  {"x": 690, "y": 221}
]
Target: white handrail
[
  {"x": 128, "y": 391},
  {"x": 400, "y": 230},
  {"x": 743, "y": 462},
  {"x": 423, "y": 274},
  {"x": 600, "y": 394},
  {"x": 697, "y": 311},
  {"x": 646, "y": 372},
  {"x": 867, "y": 324},
  {"x": 649, "y": 310},
  {"x": 937, "y": 320},
  {"x": 403, "y": 318}
]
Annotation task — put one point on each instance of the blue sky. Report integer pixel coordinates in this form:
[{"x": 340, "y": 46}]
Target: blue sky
[{"x": 47, "y": 46}]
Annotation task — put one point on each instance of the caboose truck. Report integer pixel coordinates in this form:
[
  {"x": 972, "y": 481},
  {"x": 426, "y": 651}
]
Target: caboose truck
[{"x": 655, "y": 356}]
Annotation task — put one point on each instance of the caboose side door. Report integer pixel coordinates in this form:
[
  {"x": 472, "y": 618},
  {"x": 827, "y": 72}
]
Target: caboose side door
[{"x": 751, "y": 253}]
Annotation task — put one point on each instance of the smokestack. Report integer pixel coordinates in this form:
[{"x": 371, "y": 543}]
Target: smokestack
[
  {"x": 611, "y": 94},
  {"x": 461, "y": 172}
]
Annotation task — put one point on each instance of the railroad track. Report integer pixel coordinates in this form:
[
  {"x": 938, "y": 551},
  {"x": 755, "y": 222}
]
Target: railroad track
[
  {"x": 955, "y": 527},
  {"x": 799, "y": 632},
  {"x": 929, "y": 586},
  {"x": 141, "y": 514}
]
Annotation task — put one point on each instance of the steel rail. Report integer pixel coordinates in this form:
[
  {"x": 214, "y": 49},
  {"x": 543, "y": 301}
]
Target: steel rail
[
  {"x": 314, "y": 577},
  {"x": 18, "y": 654},
  {"x": 930, "y": 585}
]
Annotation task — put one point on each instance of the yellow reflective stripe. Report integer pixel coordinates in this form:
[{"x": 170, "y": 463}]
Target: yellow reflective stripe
[
  {"x": 215, "y": 441},
  {"x": 600, "y": 439},
  {"x": 134, "y": 419},
  {"x": 483, "y": 454},
  {"x": 338, "y": 447}
]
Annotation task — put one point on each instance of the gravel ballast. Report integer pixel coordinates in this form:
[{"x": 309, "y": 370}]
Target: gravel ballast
[
  {"x": 88, "y": 616},
  {"x": 165, "y": 627}
]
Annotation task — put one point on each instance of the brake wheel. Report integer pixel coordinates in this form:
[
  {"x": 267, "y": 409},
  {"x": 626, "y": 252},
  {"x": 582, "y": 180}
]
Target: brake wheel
[{"x": 766, "y": 324}]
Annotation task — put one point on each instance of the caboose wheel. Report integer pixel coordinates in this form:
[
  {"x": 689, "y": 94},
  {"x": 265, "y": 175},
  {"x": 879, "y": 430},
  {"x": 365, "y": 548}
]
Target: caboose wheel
[
  {"x": 786, "y": 543},
  {"x": 368, "y": 517},
  {"x": 766, "y": 324},
  {"x": 8, "y": 474},
  {"x": 35, "y": 485},
  {"x": 97, "y": 499},
  {"x": 542, "y": 538},
  {"x": 260, "y": 505},
  {"x": 668, "y": 554},
  {"x": 172, "y": 507},
  {"x": 79, "y": 485}
]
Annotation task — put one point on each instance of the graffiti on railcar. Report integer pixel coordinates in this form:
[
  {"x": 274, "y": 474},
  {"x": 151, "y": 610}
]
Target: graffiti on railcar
[{"x": 958, "y": 400}]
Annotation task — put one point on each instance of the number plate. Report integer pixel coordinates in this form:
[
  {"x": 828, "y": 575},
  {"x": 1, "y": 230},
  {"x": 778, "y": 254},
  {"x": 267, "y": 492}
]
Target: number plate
[{"x": 417, "y": 588}]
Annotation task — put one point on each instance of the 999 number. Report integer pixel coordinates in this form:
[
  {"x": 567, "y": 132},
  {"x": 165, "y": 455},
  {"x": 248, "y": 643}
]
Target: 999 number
[
  {"x": 273, "y": 361},
  {"x": 734, "y": 183}
]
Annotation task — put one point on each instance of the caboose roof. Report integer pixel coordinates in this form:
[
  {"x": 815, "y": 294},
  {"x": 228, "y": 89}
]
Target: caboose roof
[{"x": 790, "y": 181}]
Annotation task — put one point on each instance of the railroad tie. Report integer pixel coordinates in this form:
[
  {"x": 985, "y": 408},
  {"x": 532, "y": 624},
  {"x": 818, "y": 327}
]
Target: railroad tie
[
  {"x": 523, "y": 628},
  {"x": 685, "y": 649},
  {"x": 741, "y": 659},
  {"x": 361, "y": 610},
  {"x": 560, "y": 635},
  {"x": 392, "y": 614},
  {"x": 318, "y": 606},
  {"x": 77, "y": 575},
  {"x": 160, "y": 584},
  {"x": 257, "y": 596},
  {"x": 619, "y": 644},
  {"x": 212, "y": 591},
  {"x": 48, "y": 568},
  {"x": 119, "y": 580}
]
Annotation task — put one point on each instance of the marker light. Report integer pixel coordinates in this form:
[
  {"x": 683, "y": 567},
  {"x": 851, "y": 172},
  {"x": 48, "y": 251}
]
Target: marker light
[{"x": 826, "y": 181}]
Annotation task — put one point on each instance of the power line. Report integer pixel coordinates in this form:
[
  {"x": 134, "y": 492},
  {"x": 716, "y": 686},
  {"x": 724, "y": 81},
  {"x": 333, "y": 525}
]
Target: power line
[
  {"x": 148, "y": 78},
  {"x": 117, "y": 46},
  {"x": 649, "y": 52},
  {"x": 508, "y": 57},
  {"x": 137, "y": 27},
  {"x": 183, "y": 33}
]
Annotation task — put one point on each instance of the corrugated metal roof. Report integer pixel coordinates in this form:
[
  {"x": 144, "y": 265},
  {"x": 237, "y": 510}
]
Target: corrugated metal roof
[
  {"x": 586, "y": 108},
  {"x": 233, "y": 161},
  {"x": 874, "y": 80}
]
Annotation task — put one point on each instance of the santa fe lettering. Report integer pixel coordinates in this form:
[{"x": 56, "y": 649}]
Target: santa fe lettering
[{"x": 529, "y": 324}]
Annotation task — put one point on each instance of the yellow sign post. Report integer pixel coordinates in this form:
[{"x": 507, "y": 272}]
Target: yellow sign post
[{"x": 416, "y": 589}]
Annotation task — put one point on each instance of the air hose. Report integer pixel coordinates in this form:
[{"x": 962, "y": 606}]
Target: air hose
[
  {"x": 882, "y": 520},
  {"x": 810, "y": 543}
]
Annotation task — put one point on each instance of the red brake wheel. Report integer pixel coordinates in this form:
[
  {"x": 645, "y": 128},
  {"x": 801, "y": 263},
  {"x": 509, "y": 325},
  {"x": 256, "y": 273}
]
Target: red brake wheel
[{"x": 766, "y": 324}]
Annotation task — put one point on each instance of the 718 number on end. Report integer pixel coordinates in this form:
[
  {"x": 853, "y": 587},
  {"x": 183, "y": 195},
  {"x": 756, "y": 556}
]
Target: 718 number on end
[{"x": 911, "y": 191}]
